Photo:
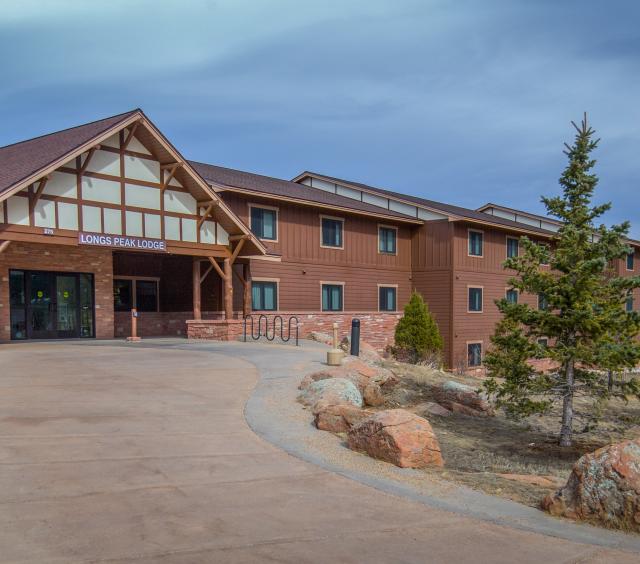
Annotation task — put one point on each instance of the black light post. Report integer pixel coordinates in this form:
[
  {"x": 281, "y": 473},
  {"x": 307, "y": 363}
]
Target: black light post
[{"x": 355, "y": 337}]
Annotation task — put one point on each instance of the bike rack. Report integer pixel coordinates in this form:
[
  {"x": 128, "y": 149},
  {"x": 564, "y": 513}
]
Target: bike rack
[{"x": 274, "y": 325}]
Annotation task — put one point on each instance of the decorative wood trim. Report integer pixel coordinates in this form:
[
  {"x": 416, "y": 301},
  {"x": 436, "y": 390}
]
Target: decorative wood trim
[
  {"x": 130, "y": 135},
  {"x": 206, "y": 273},
  {"x": 215, "y": 265},
  {"x": 206, "y": 214},
  {"x": 237, "y": 250},
  {"x": 84, "y": 166}
]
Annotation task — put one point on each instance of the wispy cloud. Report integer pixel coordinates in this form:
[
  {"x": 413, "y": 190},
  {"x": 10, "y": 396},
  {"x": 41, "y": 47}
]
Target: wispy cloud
[{"x": 464, "y": 102}]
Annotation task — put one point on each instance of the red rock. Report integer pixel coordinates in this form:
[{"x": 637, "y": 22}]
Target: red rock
[
  {"x": 433, "y": 408},
  {"x": 372, "y": 395},
  {"x": 337, "y": 418},
  {"x": 397, "y": 436},
  {"x": 604, "y": 486},
  {"x": 461, "y": 398}
]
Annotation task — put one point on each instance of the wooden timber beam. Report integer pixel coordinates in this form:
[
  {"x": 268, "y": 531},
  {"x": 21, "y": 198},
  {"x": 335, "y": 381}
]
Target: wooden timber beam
[
  {"x": 84, "y": 166},
  {"x": 215, "y": 265},
  {"x": 237, "y": 250},
  {"x": 169, "y": 165},
  {"x": 206, "y": 214},
  {"x": 39, "y": 192},
  {"x": 172, "y": 171},
  {"x": 130, "y": 135},
  {"x": 197, "y": 301},
  {"x": 4, "y": 245},
  {"x": 206, "y": 273}
]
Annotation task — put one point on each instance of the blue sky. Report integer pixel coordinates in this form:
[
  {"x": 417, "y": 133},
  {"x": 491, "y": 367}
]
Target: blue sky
[{"x": 460, "y": 101}]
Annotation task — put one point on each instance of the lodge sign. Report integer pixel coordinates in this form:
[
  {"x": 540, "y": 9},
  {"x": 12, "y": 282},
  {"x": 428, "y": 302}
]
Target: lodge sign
[{"x": 122, "y": 242}]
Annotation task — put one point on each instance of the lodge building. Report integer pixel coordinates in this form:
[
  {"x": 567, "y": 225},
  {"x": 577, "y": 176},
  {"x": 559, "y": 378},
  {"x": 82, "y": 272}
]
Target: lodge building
[{"x": 108, "y": 216}]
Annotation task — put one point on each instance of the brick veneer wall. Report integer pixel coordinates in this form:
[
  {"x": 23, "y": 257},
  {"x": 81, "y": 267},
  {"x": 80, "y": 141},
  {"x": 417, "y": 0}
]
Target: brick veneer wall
[
  {"x": 215, "y": 329},
  {"x": 159, "y": 324},
  {"x": 59, "y": 258}
]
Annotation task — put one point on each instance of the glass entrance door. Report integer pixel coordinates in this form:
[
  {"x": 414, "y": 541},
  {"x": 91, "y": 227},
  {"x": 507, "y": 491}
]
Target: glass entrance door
[
  {"x": 51, "y": 305},
  {"x": 67, "y": 307},
  {"x": 41, "y": 305}
]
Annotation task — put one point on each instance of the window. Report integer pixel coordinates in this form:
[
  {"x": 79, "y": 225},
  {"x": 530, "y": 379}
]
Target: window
[
  {"x": 331, "y": 235},
  {"x": 513, "y": 247},
  {"x": 543, "y": 303},
  {"x": 512, "y": 296},
  {"x": 264, "y": 223},
  {"x": 630, "y": 261},
  {"x": 387, "y": 298},
  {"x": 264, "y": 295},
  {"x": 629, "y": 304},
  {"x": 545, "y": 261},
  {"x": 332, "y": 297},
  {"x": 18, "y": 316},
  {"x": 129, "y": 293},
  {"x": 474, "y": 354},
  {"x": 475, "y": 243},
  {"x": 387, "y": 240},
  {"x": 543, "y": 342},
  {"x": 475, "y": 300}
]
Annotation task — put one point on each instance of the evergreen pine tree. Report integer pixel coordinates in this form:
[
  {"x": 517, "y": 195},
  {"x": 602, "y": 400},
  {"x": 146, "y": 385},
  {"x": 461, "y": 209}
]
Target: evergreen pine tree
[
  {"x": 417, "y": 336},
  {"x": 585, "y": 322}
]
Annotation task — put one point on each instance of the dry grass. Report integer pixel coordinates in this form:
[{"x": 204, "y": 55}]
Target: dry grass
[{"x": 476, "y": 450}]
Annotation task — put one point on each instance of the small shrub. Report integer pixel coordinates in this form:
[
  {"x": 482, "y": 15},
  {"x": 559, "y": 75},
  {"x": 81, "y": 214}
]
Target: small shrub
[{"x": 417, "y": 338}]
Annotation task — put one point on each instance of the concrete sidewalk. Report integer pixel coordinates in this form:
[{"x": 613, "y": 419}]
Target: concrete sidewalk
[{"x": 123, "y": 453}]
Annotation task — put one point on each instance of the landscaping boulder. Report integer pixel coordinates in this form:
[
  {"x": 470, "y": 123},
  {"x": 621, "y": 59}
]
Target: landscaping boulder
[
  {"x": 332, "y": 390},
  {"x": 433, "y": 408},
  {"x": 309, "y": 379},
  {"x": 461, "y": 398},
  {"x": 397, "y": 436},
  {"x": 337, "y": 418},
  {"x": 372, "y": 395},
  {"x": 604, "y": 486}
]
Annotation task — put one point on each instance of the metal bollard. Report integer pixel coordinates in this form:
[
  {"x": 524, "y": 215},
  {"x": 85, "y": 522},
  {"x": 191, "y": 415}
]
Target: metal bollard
[{"x": 355, "y": 337}]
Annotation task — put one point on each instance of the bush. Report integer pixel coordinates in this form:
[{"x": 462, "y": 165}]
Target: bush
[{"x": 417, "y": 338}]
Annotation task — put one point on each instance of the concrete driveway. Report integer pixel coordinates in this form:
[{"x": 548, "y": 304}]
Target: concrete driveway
[{"x": 123, "y": 453}]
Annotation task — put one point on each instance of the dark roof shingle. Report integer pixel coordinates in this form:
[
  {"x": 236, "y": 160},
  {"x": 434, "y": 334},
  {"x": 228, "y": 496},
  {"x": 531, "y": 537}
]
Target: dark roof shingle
[
  {"x": 20, "y": 160},
  {"x": 284, "y": 188}
]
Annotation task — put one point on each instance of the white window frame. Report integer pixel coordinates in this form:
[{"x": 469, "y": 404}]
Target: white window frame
[
  {"x": 277, "y": 282},
  {"x": 333, "y": 283},
  {"x": 341, "y": 219},
  {"x": 378, "y": 297},
  {"x": 266, "y": 207},
  {"x": 394, "y": 228},
  {"x": 469, "y": 231},
  {"x": 473, "y": 286}
]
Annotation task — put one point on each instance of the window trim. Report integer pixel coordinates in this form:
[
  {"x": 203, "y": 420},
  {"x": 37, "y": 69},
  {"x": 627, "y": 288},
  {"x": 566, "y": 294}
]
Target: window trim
[
  {"x": 333, "y": 283},
  {"x": 134, "y": 292},
  {"x": 395, "y": 228},
  {"x": 266, "y": 207},
  {"x": 548, "y": 247},
  {"x": 476, "y": 342},
  {"x": 469, "y": 231},
  {"x": 506, "y": 249},
  {"x": 469, "y": 287},
  {"x": 633, "y": 260},
  {"x": 538, "y": 302},
  {"x": 335, "y": 218},
  {"x": 629, "y": 301},
  {"x": 261, "y": 279},
  {"x": 378, "y": 286}
]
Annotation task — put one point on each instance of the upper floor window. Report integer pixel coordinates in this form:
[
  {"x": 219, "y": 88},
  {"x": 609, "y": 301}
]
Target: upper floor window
[
  {"x": 387, "y": 240},
  {"x": 512, "y": 296},
  {"x": 545, "y": 261},
  {"x": 630, "y": 258},
  {"x": 387, "y": 298},
  {"x": 264, "y": 222},
  {"x": 513, "y": 247},
  {"x": 475, "y": 300},
  {"x": 332, "y": 297},
  {"x": 264, "y": 295},
  {"x": 331, "y": 232},
  {"x": 475, "y": 243}
]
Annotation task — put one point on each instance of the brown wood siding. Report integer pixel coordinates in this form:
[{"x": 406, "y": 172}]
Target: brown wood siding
[
  {"x": 299, "y": 285},
  {"x": 299, "y": 236},
  {"x": 435, "y": 288},
  {"x": 431, "y": 245}
]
